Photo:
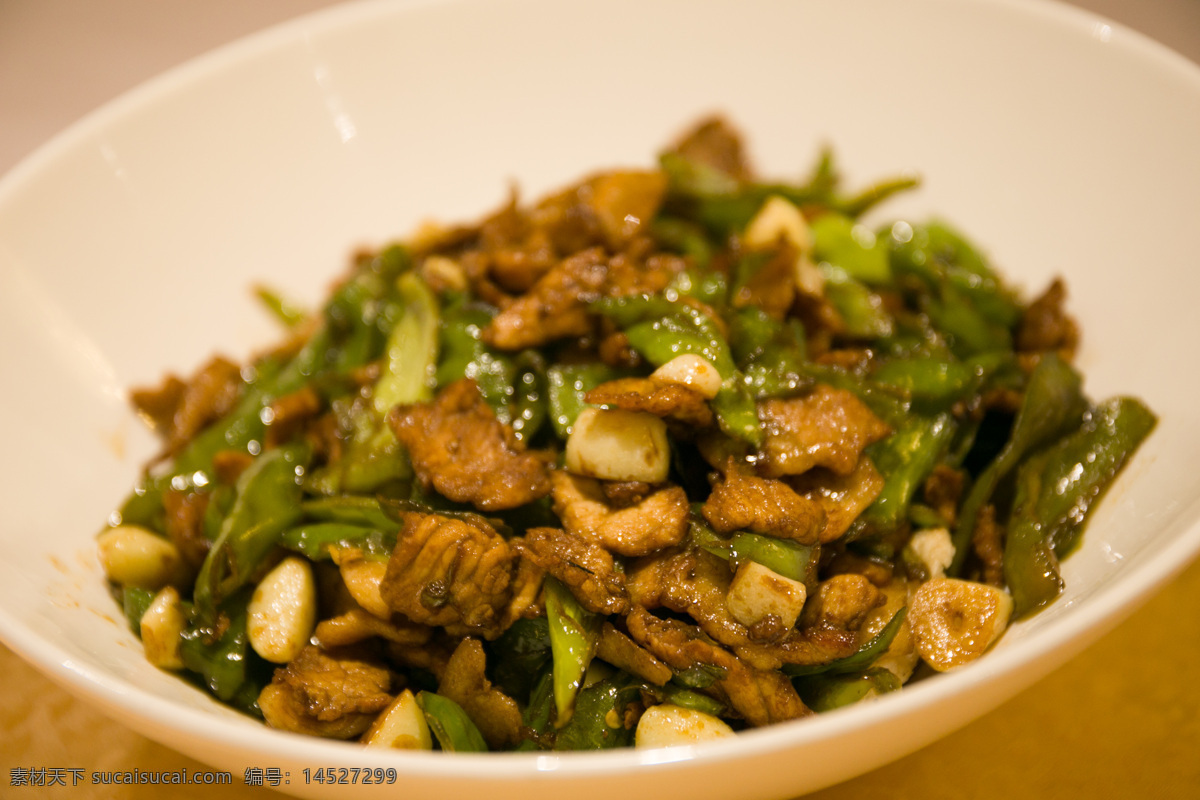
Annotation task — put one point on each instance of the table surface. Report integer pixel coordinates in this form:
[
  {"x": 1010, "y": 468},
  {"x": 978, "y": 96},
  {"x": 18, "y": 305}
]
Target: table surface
[{"x": 1120, "y": 720}]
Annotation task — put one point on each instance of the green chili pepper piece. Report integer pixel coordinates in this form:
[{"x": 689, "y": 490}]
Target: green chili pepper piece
[
  {"x": 574, "y": 632},
  {"x": 451, "y": 726},
  {"x": 904, "y": 459},
  {"x": 863, "y": 658},
  {"x": 221, "y": 663},
  {"x": 1057, "y": 488},
  {"x": 876, "y": 193},
  {"x": 350, "y": 509},
  {"x": 598, "y": 722},
  {"x": 315, "y": 539},
  {"x": 782, "y": 556},
  {"x": 519, "y": 656},
  {"x": 538, "y": 712},
  {"x": 843, "y": 243},
  {"x": 1053, "y": 405},
  {"x": 861, "y": 309},
  {"x": 826, "y": 692},
  {"x": 288, "y": 313},
  {"x": 566, "y": 384},
  {"x": 684, "y": 237},
  {"x": 689, "y": 698},
  {"x": 134, "y": 602},
  {"x": 268, "y": 503}
]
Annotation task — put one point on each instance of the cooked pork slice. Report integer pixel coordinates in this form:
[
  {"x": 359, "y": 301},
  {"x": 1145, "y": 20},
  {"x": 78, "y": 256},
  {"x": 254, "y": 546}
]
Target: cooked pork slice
[
  {"x": 556, "y": 306},
  {"x": 825, "y": 428},
  {"x": 741, "y": 501},
  {"x": 661, "y": 399},
  {"x": 357, "y": 624},
  {"x": 1045, "y": 325},
  {"x": 656, "y": 522},
  {"x": 587, "y": 569},
  {"x": 843, "y": 497},
  {"x": 841, "y": 602},
  {"x": 458, "y": 447},
  {"x": 692, "y": 582},
  {"x": 622, "y": 652},
  {"x": 713, "y": 142},
  {"x": 179, "y": 410},
  {"x": 335, "y": 694},
  {"x": 760, "y": 697},
  {"x": 445, "y": 571},
  {"x": 495, "y": 714}
]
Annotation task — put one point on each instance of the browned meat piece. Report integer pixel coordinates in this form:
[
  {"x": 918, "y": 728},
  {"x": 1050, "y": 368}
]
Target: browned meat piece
[
  {"x": 772, "y": 287},
  {"x": 335, "y": 694},
  {"x": 556, "y": 306},
  {"x": 458, "y": 447},
  {"x": 158, "y": 404},
  {"x": 586, "y": 568},
  {"x": 623, "y": 494},
  {"x": 692, "y": 582},
  {"x": 1045, "y": 325},
  {"x": 624, "y": 202},
  {"x": 807, "y": 646},
  {"x": 841, "y": 602},
  {"x": 878, "y": 571},
  {"x": 622, "y": 652},
  {"x": 180, "y": 411},
  {"x": 526, "y": 592},
  {"x": 185, "y": 523},
  {"x": 657, "y": 522},
  {"x": 432, "y": 656},
  {"x": 290, "y": 414},
  {"x": 942, "y": 490},
  {"x": 228, "y": 465},
  {"x": 356, "y": 625},
  {"x": 761, "y": 697},
  {"x": 495, "y": 714},
  {"x": 843, "y": 497},
  {"x": 660, "y": 399},
  {"x": 762, "y": 505},
  {"x": 715, "y": 143},
  {"x": 825, "y": 428},
  {"x": 614, "y": 349},
  {"x": 988, "y": 544},
  {"x": 446, "y": 572}
]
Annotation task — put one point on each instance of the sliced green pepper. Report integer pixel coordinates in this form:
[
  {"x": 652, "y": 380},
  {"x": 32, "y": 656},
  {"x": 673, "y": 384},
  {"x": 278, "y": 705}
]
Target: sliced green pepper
[
  {"x": 450, "y": 725},
  {"x": 1055, "y": 491},
  {"x": 268, "y": 502},
  {"x": 574, "y": 633},
  {"x": 1053, "y": 406}
]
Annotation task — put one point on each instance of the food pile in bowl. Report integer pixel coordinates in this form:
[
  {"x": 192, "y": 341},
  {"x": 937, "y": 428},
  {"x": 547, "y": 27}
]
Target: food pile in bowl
[{"x": 665, "y": 455}]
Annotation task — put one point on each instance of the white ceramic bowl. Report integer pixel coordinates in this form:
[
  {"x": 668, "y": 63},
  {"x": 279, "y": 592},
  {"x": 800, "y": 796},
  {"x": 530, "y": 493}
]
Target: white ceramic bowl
[{"x": 1062, "y": 144}]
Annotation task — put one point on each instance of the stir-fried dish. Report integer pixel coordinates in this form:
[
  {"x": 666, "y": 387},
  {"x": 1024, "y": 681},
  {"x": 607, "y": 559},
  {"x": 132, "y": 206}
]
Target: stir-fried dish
[{"x": 671, "y": 453}]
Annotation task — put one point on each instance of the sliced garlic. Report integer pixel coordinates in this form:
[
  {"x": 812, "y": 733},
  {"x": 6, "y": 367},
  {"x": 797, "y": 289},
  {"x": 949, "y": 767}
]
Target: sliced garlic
[
  {"x": 401, "y": 726},
  {"x": 618, "y": 445},
  {"x": 757, "y": 591},
  {"x": 934, "y": 548},
  {"x": 363, "y": 577},
  {"x": 695, "y": 372},
  {"x": 162, "y": 625},
  {"x": 133, "y": 556},
  {"x": 777, "y": 219},
  {"x": 668, "y": 725},
  {"x": 283, "y": 611},
  {"x": 955, "y": 621}
]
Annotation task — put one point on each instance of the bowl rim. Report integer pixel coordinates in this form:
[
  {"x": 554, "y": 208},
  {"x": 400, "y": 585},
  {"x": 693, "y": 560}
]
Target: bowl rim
[{"x": 1052, "y": 645}]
